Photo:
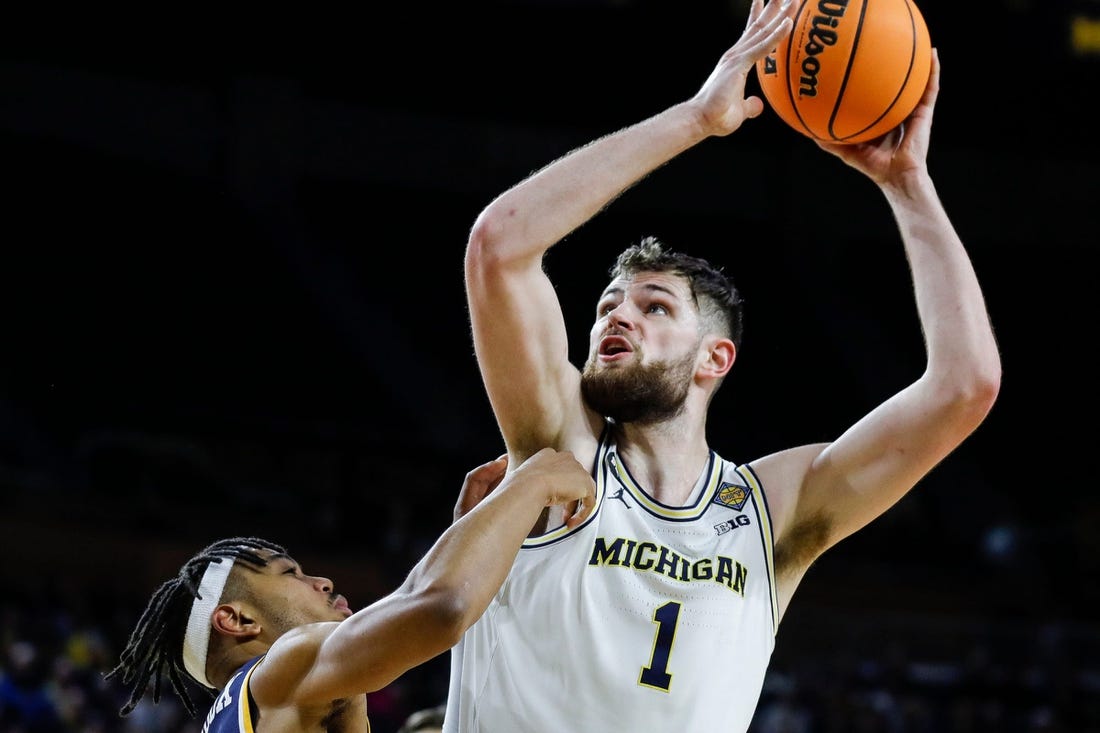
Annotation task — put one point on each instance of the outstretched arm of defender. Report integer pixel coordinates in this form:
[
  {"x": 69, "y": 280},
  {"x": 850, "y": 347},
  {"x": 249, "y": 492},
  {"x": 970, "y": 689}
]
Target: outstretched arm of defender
[{"x": 443, "y": 595}]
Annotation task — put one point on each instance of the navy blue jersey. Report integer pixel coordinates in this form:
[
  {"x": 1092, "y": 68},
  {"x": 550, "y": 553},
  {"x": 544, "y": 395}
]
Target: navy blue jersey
[{"x": 234, "y": 710}]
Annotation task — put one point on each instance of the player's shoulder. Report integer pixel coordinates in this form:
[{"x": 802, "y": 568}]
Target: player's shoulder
[
  {"x": 797, "y": 460},
  {"x": 288, "y": 661},
  {"x": 781, "y": 475}
]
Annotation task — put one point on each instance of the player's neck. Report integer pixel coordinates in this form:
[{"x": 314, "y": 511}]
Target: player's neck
[{"x": 666, "y": 460}]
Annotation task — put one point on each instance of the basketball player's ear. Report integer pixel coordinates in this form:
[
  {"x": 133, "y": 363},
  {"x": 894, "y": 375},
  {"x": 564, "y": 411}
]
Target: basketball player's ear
[
  {"x": 233, "y": 619},
  {"x": 720, "y": 357}
]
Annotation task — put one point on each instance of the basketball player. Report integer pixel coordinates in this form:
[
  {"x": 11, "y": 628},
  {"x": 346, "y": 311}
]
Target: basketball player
[
  {"x": 659, "y": 612},
  {"x": 284, "y": 649}
]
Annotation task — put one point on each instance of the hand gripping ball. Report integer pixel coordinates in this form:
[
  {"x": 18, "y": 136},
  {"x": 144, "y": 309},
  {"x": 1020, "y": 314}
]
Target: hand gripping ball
[{"x": 850, "y": 70}]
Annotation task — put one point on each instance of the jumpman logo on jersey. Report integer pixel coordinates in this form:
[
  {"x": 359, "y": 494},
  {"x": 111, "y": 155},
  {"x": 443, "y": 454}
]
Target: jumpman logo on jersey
[{"x": 619, "y": 495}]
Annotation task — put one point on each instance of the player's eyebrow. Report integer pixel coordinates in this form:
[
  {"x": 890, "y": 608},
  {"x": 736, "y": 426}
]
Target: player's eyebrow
[
  {"x": 618, "y": 290},
  {"x": 661, "y": 289},
  {"x": 612, "y": 290},
  {"x": 281, "y": 557}
]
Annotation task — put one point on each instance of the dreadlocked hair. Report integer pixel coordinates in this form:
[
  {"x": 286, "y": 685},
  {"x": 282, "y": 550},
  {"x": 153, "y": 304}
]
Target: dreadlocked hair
[{"x": 155, "y": 647}]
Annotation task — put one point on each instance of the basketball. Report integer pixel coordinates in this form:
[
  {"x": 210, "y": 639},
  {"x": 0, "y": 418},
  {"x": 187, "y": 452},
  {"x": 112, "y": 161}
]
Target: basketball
[{"x": 850, "y": 70}]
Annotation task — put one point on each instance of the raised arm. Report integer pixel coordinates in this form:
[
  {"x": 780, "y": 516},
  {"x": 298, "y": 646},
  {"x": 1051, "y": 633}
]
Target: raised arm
[
  {"x": 874, "y": 463},
  {"x": 518, "y": 329},
  {"x": 442, "y": 596}
]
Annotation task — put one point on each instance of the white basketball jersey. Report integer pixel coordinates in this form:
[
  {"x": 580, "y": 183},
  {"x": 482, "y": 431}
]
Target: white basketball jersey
[{"x": 646, "y": 618}]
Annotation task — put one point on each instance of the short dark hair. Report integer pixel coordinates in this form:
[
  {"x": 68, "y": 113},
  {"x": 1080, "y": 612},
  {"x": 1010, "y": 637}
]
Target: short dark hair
[
  {"x": 155, "y": 647},
  {"x": 717, "y": 298}
]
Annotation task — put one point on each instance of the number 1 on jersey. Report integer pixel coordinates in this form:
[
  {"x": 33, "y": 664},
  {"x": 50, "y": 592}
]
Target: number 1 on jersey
[{"x": 656, "y": 675}]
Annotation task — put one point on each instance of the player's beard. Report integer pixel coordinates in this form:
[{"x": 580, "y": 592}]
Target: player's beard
[{"x": 638, "y": 393}]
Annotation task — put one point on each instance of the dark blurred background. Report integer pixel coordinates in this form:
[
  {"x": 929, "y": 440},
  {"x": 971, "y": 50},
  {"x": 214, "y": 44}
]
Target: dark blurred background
[{"x": 233, "y": 304}]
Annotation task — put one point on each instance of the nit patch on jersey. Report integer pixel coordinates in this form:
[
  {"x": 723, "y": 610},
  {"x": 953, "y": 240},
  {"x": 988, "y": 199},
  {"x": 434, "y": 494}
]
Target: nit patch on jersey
[{"x": 732, "y": 495}]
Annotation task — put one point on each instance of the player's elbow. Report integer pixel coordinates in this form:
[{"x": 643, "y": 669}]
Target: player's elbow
[
  {"x": 982, "y": 385},
  {"x": 977, "y": 403},
  {"x": 968, "y": 398},
  {"x": 484, "y": 246},
  {"x": 988, "y": 386},
  {"x": 491, "y": 246}
]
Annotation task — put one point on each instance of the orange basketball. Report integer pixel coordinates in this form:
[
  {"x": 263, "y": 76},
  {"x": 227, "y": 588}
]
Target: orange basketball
[{"x": 851, "y": 70}]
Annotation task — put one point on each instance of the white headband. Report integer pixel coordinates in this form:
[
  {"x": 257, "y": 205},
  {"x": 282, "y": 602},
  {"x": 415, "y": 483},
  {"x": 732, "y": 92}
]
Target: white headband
[{"x": 196, "y": 641}]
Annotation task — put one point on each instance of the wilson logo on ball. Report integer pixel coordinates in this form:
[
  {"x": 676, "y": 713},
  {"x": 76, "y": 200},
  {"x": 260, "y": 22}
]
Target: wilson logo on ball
[
  {"x": 850, "y": 70},
  {"x": 822, "y": 35}
]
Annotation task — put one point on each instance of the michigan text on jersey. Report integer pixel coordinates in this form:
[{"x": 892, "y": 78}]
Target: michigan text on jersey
[{"x": 650, "y": 557}]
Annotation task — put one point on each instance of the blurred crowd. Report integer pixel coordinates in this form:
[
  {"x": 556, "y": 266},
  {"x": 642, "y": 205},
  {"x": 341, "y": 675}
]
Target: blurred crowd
[{"x": 1044, "y": 685}]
